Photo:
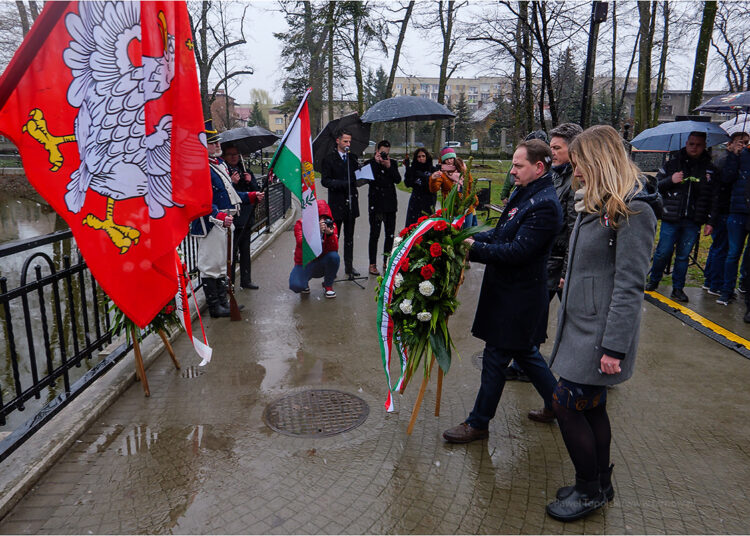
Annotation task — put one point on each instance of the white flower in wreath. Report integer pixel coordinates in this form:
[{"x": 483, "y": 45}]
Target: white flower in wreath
[
  {"x": 398, "y": 280},
  {"x": 424, "y": 316},
  {"x": 426, "y": 288},
  {"x": 406, "y": 307},
  {"x": 396, "y": 241}
]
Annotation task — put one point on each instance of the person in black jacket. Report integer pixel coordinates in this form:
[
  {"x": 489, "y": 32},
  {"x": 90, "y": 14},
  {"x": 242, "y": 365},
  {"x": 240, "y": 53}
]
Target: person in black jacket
[
  {"x": 382, "y": 203},
  {"x": 337, "y": 174},
  {"x": 417, "y": 177},
  {"x": 686, "y": 184},
  {"x": 243, "y": 180},
  {"x": 717, "y": 253},
  {"x": 513, "y": 299}
]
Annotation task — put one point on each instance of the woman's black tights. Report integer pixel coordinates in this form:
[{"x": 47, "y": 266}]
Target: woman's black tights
[{"x": 587, "y": 436}]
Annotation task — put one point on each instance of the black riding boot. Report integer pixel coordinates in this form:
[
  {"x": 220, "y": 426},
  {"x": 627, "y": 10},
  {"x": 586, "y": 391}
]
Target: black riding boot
[
  {"x": 605, "y": 482},
  {"x": 223, "y": 293},
  {"x": 215, "y": 308},
  {"x": 585, "y": 498}
]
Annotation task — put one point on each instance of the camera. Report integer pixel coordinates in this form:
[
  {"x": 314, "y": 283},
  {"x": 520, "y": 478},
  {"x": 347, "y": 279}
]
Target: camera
[
  {"x": 383, "y": 155},
  {"x": 328, "y": 222}
]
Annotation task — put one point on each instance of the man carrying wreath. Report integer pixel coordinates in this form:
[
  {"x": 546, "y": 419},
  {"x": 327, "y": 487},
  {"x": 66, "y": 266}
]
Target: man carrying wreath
[{"x": 513, "y": 299}]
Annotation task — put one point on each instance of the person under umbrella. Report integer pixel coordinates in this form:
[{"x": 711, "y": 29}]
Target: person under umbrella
[
  {"x": 382, "y": 202},
  {"x": 243, "y": 180},
  {"x": 417, "y": 177}
]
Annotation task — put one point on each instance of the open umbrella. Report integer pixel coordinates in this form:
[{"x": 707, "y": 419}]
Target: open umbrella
[
  {"x": 731, "y": 102},
  {"x": 406, "y": 108},
  {"x": 741, "y": 123},
  {"x": 325, "y": 142},
  {"x": 673, "y": 136},
  {"x": 248, "y": 139}
]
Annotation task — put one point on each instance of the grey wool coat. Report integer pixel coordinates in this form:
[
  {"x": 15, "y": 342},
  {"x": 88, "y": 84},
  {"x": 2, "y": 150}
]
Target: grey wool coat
[{"x": 603, "y": 294}]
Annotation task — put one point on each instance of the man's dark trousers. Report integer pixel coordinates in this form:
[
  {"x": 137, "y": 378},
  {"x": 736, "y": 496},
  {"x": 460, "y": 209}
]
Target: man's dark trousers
[
  {"x": 494, "y": 363},
  {"x": 348, "y": 229}
]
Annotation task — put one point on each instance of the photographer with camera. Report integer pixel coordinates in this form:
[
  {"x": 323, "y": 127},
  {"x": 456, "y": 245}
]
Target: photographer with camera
[
  {"x": 382, "y": 201},
  {"x": 325, "y": 265}
]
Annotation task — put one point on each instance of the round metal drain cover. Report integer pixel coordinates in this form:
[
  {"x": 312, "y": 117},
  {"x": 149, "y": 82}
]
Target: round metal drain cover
[
  {"x": 316, "y": 413},
  {"x": 477, "y": 360},
  {"x": 192, "y": 372}
]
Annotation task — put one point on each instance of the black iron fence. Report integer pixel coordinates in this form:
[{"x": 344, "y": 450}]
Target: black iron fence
[{"x": 55, "y": 323}]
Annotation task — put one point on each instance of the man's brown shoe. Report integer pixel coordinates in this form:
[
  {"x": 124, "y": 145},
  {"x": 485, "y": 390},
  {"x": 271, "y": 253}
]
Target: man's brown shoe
[
  {"x": 463, "y": 433},
  {"x": 542, "y": 415}
]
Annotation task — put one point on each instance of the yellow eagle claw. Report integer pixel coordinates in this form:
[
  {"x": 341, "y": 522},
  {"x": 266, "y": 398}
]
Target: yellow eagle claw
[{"x": 36, "y": 127}]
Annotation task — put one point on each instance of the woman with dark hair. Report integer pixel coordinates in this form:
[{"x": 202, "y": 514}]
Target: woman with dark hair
[
  {"x": 600, "y": 313},
  {"x": 417, "y": 177}
]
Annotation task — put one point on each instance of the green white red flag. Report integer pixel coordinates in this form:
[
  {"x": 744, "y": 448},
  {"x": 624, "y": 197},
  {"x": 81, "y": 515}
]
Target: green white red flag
[{"x": 293, "y": 165}]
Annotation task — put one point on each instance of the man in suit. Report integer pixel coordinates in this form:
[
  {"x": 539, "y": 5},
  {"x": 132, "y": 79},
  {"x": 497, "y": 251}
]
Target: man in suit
[
  {"x": 513, "y": 300},
  {"x": 337, "y": 174}
]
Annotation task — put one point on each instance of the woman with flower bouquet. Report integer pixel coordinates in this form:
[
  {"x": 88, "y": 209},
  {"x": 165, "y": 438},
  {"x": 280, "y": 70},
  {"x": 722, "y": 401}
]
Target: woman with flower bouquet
[{"x": 513, "y": 298}]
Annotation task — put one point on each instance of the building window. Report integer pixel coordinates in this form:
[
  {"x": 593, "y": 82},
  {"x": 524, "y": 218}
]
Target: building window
[
  {"x": 279, "y": 121},
  {"x": 279, "y": 132},
  {"x": 398, "y": 86},
  {"x": 424, "y": 87},
  {"x": 472, "y": 89}
]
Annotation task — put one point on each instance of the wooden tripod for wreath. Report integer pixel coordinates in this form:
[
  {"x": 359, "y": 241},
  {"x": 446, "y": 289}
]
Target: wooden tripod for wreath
[
  {"x": 140, "y": 371},
  {"x": 420, "y": 395}
]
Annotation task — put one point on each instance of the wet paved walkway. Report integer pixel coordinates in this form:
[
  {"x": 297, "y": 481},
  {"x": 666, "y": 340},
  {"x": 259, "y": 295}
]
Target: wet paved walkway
[{"x": 196, "y": 457}]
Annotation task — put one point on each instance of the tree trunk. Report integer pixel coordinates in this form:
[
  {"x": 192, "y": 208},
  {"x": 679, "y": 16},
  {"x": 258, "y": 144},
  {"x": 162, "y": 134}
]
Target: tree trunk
[
  {"x": 701, "y": 54},
  {"x": 33, "y": 9},
  {"x": 528, "y": 73},
  {"x": 358, "y": 70},
  {"x": 397, "y": 50},
  {"x": 446, "y": 27},
  {"x": 614, "y": 120},
  {"x": 540, "y": 31},
  {"x": 643, "y": 91},
  {"x": 516, "y": 99},
  {"x": 23, "y": 16},
  {"x": 627, "y": 75},
  {"x": 329, "y": 23},
  {"x": 662, "y": 74}
]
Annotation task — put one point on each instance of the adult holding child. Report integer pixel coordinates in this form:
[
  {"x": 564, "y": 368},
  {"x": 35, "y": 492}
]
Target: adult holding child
[{"x": 600, "y": 314}]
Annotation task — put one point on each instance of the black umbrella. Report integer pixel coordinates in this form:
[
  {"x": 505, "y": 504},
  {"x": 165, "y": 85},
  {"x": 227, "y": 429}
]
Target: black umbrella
[
  {"x": 248, "y": 139},
  {"x": 731, "y": 102},
  {"x": 325, "y": 142},
  {"x": 406, "y": 108}
]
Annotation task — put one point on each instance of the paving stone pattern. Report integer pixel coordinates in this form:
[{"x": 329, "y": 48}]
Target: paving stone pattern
[{"x": 196, "y": 456}]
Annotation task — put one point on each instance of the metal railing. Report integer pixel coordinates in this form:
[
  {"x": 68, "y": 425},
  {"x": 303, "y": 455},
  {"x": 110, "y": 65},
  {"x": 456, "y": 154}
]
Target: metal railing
[{"x": 55, "y": 323}]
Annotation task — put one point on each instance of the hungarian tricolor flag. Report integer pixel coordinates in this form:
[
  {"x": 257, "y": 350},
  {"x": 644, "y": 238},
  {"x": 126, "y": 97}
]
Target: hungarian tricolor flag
[
  {"x": 102, "y": 101},
  {"x": 293, "y": 165}
]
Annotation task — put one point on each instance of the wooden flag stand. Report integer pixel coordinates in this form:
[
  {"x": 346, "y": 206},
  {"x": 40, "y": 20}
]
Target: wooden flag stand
[
  {"x": 420, "y": 395},
  {"x": 140, "y": 371}
]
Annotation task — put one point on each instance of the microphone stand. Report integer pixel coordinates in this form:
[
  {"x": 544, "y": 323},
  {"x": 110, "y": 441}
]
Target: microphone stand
[{"x": 349, "y": 219}]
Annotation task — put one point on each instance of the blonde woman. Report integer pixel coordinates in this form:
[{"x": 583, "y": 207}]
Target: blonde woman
[{"x": 599, "y": 318}]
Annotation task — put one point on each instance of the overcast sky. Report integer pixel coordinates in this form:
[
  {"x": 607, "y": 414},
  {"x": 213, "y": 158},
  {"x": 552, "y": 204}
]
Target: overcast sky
[{"x": 420, "y": 54}]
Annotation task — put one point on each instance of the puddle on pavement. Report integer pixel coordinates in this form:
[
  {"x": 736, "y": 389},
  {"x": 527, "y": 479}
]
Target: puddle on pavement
[{"x": 303, "y": 370}]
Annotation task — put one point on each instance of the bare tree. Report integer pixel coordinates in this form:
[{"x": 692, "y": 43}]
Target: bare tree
[
  {"x": 402, "y": 26},
  {"x": 212, "y": 41},
  {"x": 661, "y": 75},
  {"x": 647, "y": 20},
  {"x": 731, "y": 42},
  {"x": 701, "y": 53}
]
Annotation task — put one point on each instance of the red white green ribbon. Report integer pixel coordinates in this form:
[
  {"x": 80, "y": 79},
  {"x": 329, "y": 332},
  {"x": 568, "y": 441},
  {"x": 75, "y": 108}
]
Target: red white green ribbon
[
  {"x": 384, "y": 320},
  {"x": 202, "y": 348}
]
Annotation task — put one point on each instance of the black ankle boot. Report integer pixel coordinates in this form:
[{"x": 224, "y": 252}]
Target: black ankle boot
[
  {"x": 605, "y": 482},
  {"x": 215, "y": 307},
  {"x": 586, "y": 497}
]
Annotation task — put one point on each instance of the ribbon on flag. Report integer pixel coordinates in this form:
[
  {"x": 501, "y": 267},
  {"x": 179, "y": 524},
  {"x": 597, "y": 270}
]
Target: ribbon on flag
[{"x": 202, "y": 348}]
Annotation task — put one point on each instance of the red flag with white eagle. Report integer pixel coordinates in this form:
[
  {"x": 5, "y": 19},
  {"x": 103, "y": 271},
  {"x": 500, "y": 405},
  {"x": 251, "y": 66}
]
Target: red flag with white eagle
[{"x": 102, "y": 101}]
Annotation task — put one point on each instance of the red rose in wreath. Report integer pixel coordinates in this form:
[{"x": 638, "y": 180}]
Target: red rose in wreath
[
  {"x": 419, "y": 240},
  {"x": 441, "y": 225},
  {"x": 169, "y": 309},
  {"x": 405, "y": 266},
  {"x": 436, "y": 250},
  {"x": 427, "y": 271},
  {"x": 420, "y": 220},
  {"x": 404, "y": 232}
]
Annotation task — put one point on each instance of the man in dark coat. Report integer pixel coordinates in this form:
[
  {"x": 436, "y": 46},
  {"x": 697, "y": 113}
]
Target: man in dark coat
[
  {"x": 337, "y": 174},
  {"x": 243, "y": 180},
  {"x": 513, "y": 300},
  {"x": 382, "y": 204},
  {"x": 686, "y": 184}
]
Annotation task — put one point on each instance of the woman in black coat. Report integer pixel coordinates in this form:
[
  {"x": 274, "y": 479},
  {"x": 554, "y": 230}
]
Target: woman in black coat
[{"x": 417, "y": 177}]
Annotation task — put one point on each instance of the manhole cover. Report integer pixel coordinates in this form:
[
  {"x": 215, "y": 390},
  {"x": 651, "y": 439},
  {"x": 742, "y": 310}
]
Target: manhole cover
[
  {"x": 316, "y": 413},
  {"x": 192, "y": 372},
  {"x": 477, "y": 360}
]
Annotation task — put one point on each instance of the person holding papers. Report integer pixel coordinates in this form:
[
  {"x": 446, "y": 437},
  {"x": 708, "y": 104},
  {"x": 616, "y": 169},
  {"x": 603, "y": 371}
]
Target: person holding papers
[{"x": 382, "y": 201}]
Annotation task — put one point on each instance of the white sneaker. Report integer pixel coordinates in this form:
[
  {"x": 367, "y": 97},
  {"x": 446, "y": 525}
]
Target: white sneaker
[
  {"x": 305, "y": 290},
  {"x": 330, "y": 293}
]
